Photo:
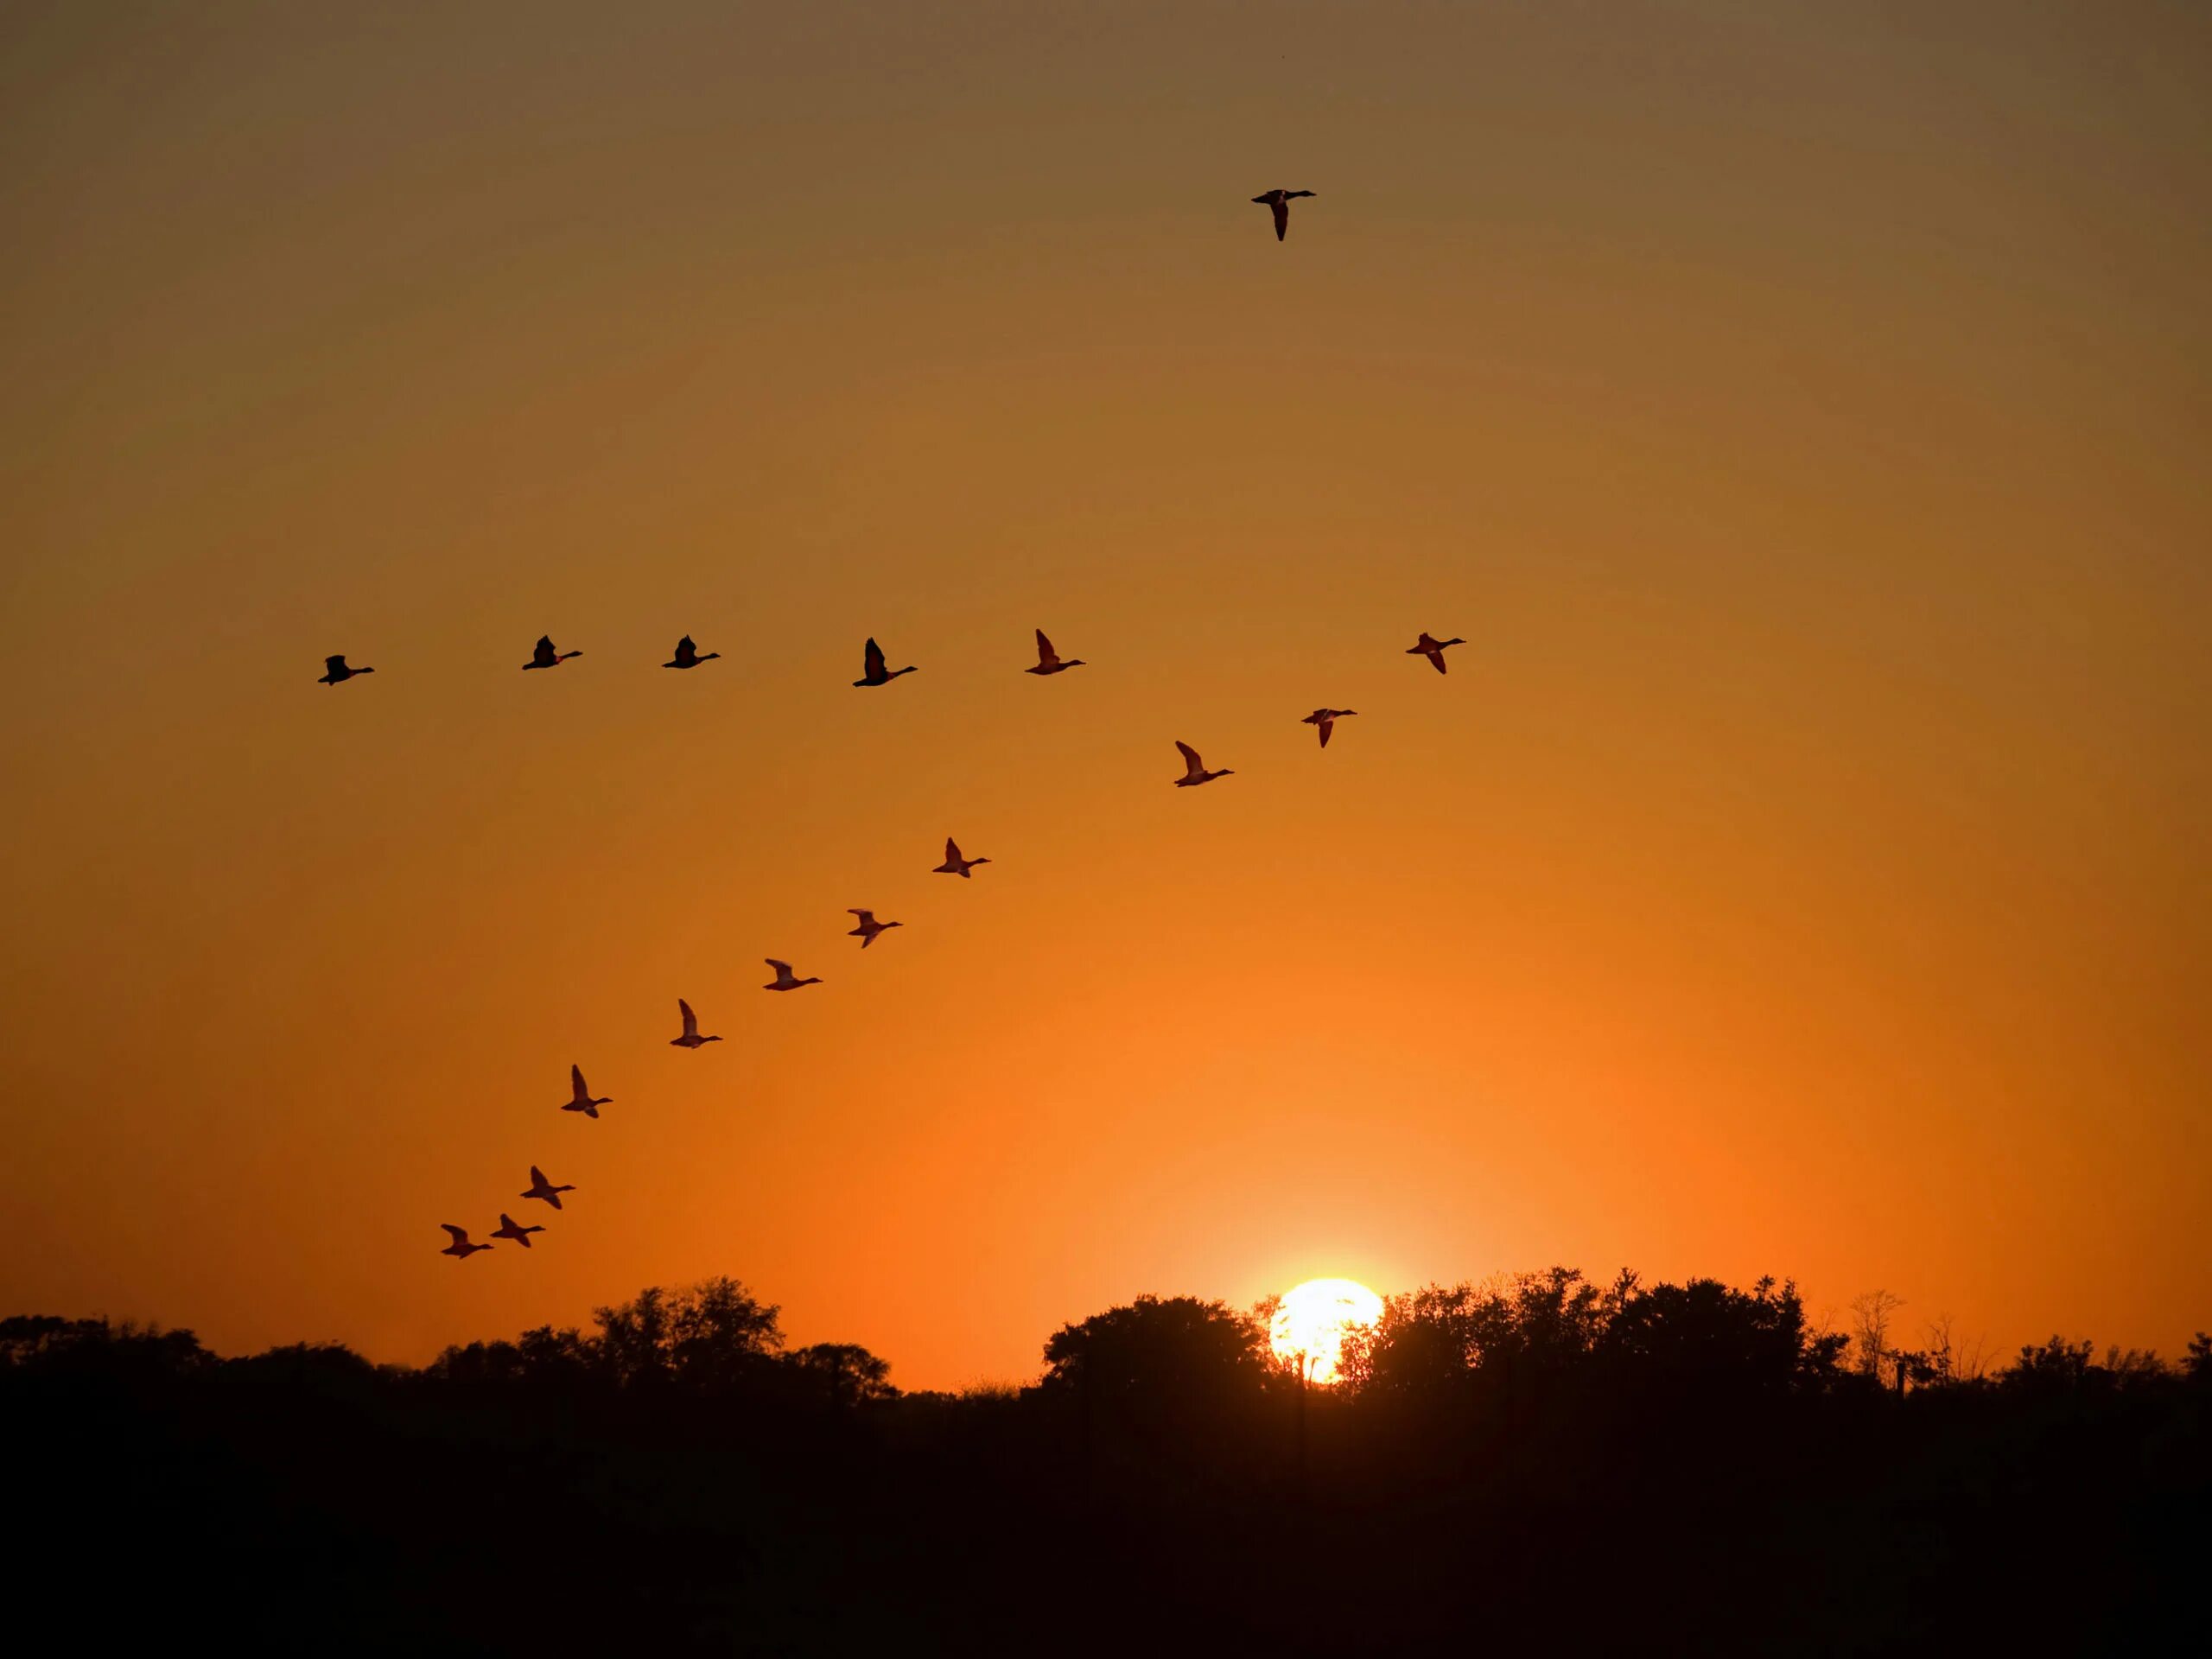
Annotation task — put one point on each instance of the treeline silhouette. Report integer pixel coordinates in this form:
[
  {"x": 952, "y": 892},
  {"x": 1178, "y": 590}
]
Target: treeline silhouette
[{"x": 1686, "y": 1468}]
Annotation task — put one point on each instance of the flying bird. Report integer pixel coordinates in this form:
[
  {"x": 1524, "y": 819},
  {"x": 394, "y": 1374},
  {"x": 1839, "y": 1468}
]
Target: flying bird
[
  {"x": 335, "y": 672},
  {"x": 873, "y": 671},
  {"x": 506, "y": 1228},
  {"x": 581, "y": 1100},
  {"x": 1326, "y": 719},
  {"x": 542, "y": 1188},
  {"x": 1432, "y": 648},
  {"x": 1048, "y": 660},
  {"x": 956, "y": 865},
  {"x": 1194, "y": 770},
  {"x": 691, "y": 1038},
  {"x": 1280, "y": 200},
  {"x": 460, "y": 1247},
  {"x": 870, "y": 927},
  {"x": 687, "y": 655},
  {"x": 545, "y": 656},
  {"x": 783, "y": 981}
]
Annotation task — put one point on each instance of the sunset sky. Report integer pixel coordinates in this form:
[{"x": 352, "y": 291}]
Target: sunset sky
[{"x": 1802, "y": 410}]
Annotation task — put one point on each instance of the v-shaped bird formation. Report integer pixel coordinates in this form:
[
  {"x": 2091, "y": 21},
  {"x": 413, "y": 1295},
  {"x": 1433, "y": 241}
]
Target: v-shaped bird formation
[{"x": 876, "y": 673}]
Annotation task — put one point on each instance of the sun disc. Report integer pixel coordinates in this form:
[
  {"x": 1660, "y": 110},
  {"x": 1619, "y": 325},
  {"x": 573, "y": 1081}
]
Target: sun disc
[{"x": 1309, "y": 1327}]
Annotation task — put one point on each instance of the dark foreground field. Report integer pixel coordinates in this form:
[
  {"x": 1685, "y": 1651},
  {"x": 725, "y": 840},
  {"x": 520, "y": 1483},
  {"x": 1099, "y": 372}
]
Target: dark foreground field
[{"x": 1677, "y": 1470}]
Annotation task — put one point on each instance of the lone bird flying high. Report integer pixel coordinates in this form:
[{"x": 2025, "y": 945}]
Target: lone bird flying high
[
  {"x": 1048, "y": 660},
  {"x": 691, "y": 1038},
  {"x": 1280, "y": 200},
  {"x": 687, "y": 655},
  {"x": 783, "y": 981},
  {"x": 506, "y": 1228},
  {"x": 545, "y": 656},
  {"x": 460, "y": 1247},
  {"x": 956, "y": 865},
  {"x": 335, "y": 672},
  {"x": 542, "y": 1188},
  {"x": 1194, "y": 770},
  {"x": 580, "y": 1099},
  {"x": 1432, "y": 648},
  {"x": 1326, "y": 719},
  {"x": 870, "y": 927},
  {"x": 872, "y": 669}
]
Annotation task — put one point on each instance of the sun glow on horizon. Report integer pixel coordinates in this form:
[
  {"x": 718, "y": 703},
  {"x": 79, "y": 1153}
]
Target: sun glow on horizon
[{"x": 1313, "y": 1320}]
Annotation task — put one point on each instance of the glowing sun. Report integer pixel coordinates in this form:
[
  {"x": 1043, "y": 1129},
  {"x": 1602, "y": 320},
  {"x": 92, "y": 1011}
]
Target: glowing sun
[{"x": 1313, "y": 1320}]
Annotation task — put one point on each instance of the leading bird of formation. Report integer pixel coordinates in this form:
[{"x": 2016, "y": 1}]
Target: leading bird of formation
[{"x": 876, "y": 673}]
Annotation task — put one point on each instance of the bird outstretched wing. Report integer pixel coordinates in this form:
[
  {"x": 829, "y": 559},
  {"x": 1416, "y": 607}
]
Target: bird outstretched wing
[
  {"x": 1282, "y": 217},
  {"x": 1046, "y": 655},
  {"x": 1190, "y": 756},
  {"x": 460, "y": 1233},
  {"x": 872, "y": 661}
]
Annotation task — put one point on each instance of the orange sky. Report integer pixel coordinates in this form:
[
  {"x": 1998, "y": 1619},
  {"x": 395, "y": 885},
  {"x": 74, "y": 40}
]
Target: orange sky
[{"x": 1802, "y": 410}]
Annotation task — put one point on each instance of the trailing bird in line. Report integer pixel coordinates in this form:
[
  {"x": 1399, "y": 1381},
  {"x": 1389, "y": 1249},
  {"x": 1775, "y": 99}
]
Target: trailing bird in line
[
  {"x": 1194, "y": 770},
  {"x": 870, "y": 927},
  {"x": 687, "y": 655},
  {"x": 542, "y": 1188},
  {"x": 872, "y": 669},
  {"x": 956, "y": 865},
  {"x": 507, "y": 1228},
  {"x": 691, "y": 1038},
  {"x": 460, "y": 1247},
  {"x": 1048, "y": 660},
  {"x": 783, "y": 981},
  {"x": 334, "y": 671},
  {"x": 580, "y": 1100},
  {"x": 1326, "y": 719},
  {"x": 543, "y": 656},
  {"x": 1432, "y": 648},
  {"x": 1280, "y": 200}
]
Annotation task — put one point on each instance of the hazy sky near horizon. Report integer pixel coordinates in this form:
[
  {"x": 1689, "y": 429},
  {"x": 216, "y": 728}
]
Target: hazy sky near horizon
[{"x": 1802, "y": 410}]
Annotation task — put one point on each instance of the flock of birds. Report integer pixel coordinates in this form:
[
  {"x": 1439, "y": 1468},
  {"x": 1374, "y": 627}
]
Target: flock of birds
[{"x": 874, "y": 673}]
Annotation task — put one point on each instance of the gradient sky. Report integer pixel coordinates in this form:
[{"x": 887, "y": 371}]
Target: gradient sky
[{"x": 1802, "y": 410}]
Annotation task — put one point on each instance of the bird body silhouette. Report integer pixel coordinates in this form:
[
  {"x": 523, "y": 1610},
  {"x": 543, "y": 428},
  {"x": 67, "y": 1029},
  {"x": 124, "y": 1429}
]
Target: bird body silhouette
[
  {"x": 1194, "y": 770},
  {"x": 580, "y": 1099},
  {"x": 543, "y": 655},
  {"x": 507, "y": 1228},
  {"x": 460, "y": 1247},
  {"x": 1326, "y": 719},
  {"x": 1048, "y": 660},
  {"x": 1279, "y": 201},
  {"x": 335, "y": 672},
  {"x": 870, "y": 927},
  {"x": 783, "y": 981},
  {"x": 872, "y": 669},
  {"x": 542, "y": 1188},
  {"x": 687, "y": 655},
  {"x": 1432, "y": 648},
  {"x": 956, "y": 865},
  {"x": 691, "y": 1038}
]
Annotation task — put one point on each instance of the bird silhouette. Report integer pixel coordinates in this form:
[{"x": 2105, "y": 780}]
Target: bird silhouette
[
  {"x": 691, "y": 1038},
  {"x": 506, "y": 1228},
  {"x": 783, "y": 981},
  {"x": 542, "y": 1188},
  {"x": 334, "y": 671},
  {"x": 1280, "y": 200},
  {"x": 872, "y": 669},
  {"x": 1048, "y": 660},
  {"x": 1326, "y": 719},
  {"x": 956, "y": 865},
  {"x": 870, "y": 927},
  {"x": 543, "y": 656},
  {"x": 687, "y": 655},
  {"x": 460, "y": 1247},
  {"x": 1432, "y": 648},
  {"x": 580, "y": 1100},
  {"x": 1194, "y": 770}
]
